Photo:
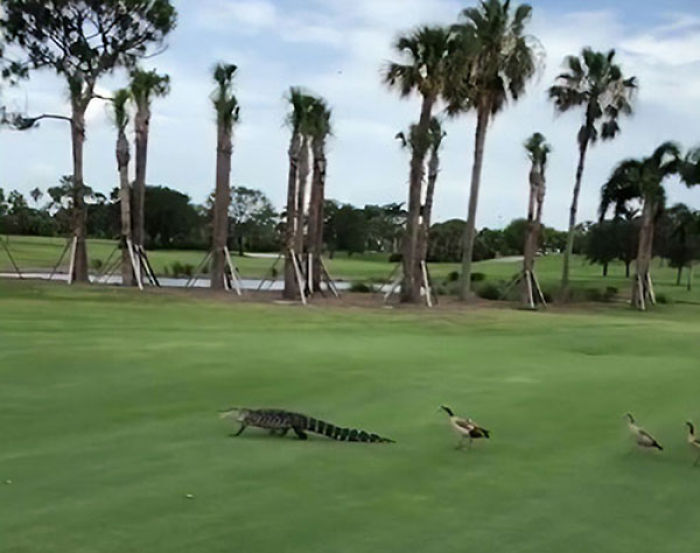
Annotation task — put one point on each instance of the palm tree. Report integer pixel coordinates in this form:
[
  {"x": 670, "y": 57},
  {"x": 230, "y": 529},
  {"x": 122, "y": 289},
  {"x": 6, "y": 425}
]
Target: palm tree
[
  {"x": 537, "y": 150},
  {"x": 320, "y": 129},
  {"x": 690, "y": 169},
  {"x": 595, "y": 83},
  {"x": 493, "y": 60},
  {"x": 642, "y": 180},
  {"x": 297, "y": 120},
  {"x": 121, "y": 120},
  {"x": 227, "y": 114},
  {"x": 435, "y": 136},
  {"x": 426, "y": 71},
  {"x": 143, "y": 87}
]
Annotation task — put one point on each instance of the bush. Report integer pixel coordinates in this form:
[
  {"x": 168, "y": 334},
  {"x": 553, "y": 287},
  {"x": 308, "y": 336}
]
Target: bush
[
  {"x": 361, "y": 287},
  {"x": 663, "y": 298},
  {"x": 452, "y": 276},
  {"x": 477, "y": 277},
  {"x": 182, "y": 269},
  {"x": 489, "y": 291},
  {"x": 96, "y": 264},
  {"x": 395, "y": 258}
]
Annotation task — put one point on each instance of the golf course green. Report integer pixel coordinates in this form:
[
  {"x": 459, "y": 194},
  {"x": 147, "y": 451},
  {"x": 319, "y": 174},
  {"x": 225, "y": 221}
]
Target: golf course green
[{"x": 111, "y": 440}]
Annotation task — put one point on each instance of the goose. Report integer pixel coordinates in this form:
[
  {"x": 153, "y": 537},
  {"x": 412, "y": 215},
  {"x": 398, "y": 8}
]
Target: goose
[
  {"x": 641, "y": 436},
  {"x": 465, "y": 428},
  {"x": 693, "y": 441}
]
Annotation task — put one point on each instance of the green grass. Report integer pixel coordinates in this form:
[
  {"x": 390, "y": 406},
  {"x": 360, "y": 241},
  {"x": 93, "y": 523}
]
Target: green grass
[
  {"x": 108, "y": 418},
  {"x": 32, "y": 253}
]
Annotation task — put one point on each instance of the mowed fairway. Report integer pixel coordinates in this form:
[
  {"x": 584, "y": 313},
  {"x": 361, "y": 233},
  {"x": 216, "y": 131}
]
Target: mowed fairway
[{"x": 108, "y": 418}]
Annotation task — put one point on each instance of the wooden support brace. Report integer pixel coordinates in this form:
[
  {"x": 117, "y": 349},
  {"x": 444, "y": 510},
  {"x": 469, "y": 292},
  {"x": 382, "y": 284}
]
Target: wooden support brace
[{"x": 297, "y": 272}]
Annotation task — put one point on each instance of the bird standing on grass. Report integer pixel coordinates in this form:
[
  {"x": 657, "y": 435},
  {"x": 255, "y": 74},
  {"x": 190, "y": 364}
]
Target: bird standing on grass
[
  {"x": 642, "y": 437},
  {"x": 693, "y": 441},
  {"x": 465, "y": 428}
]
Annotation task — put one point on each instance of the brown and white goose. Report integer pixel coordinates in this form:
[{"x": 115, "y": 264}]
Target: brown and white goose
[
  {"x": 693, "y": 441},
  {"x": 641, "y": 436},
  {"x": 465, "y": 428}
]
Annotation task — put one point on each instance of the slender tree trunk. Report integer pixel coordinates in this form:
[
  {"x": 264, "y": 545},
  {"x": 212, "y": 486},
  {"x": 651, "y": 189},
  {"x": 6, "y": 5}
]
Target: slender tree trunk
[
  {"x": 141, "y": 124},
  {"x": 470, "y": 228},
  {"x": 627, "y": 269},
  {"x": 299, "y": 242},
  {"x": 291, "y": 290},
  {"x": 572, "y": 216},
  {"x": 605, "y": 268},
  {"x": 678, "y": 275},
  {"x": 641, "y": 291},
  {"x": 424, "y": 235},
  {"x": 80, "y": 268},
  {"x": 689, "y": 286},
  {"x": 222, "y": 199},
  {"x": 527, "y": 298},
  {"x": 122, "y": 152},
  {"x": 410, "y": 287},
  {"x": 316, "y": 210}
]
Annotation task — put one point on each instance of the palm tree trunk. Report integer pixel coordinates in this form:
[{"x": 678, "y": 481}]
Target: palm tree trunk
[
  {"x": 299, "y": 244},
  {"x": 572, "y": 215},
  {"x": 410, "y": 287},
  {"x": 527, "y": 297},
  {"x": 433, "y": 169},
  {"x": 80, "y": 267},
  {"x": 222, "y": 199},
  {"x": 141, "y": 123},
  {"x": 316, "y": 211},
  {"x": 122, "y": 152},
  {"x": 291, "y": 290},
  {"x": 470, "y": 228},
  {"x": 641, "y": 292}
]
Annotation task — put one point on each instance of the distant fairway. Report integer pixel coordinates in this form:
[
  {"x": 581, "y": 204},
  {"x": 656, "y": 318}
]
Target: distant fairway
[
  {"x": 108, "y": 419},
  {"x": 41, "y": 253}
]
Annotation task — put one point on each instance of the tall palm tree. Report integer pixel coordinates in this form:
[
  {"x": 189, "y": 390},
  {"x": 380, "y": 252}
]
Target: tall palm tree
[
  {"x": 227, "y": 115},
  {"x": 425, "y": 70},
  {"x": 537, "y": 150},
  {"x": 120, "y": 109},
  {"x": 320, "y": 128},
  {"x": 436, "y": 135},
  {"x": 595, "y": 83},
  {"x": 144, "y": 86},
  {"x": 642, "y": 180},
  {"x": 297, "y": 119},
  {"x": 493, "y": 60}
]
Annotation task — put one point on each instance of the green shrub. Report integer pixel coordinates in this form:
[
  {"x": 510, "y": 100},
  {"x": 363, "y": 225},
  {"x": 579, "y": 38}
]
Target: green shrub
[
  {"x": 96, "y": 264},
  {"x": 182, "y": 269},
  {"x": 489, "y": 291},
  {"x": 361, "y": 287},
  {"x": 663, "y": 298},
  {"x": 452, "y": 276},
  {"x": 478, "y": 277}
]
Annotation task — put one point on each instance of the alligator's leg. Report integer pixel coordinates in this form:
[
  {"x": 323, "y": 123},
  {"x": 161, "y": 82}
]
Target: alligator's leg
[
  {"x": 240, "y": 430},
  {"x": 299, "y": 432}
]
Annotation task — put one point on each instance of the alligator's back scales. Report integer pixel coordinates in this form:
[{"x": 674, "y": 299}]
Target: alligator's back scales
[{"x": 279, "y": 421}]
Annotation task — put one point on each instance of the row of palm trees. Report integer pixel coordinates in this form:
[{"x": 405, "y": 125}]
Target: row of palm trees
[
  {"x": 310, "y": 122},
  {"x": 480, "y": 64}
]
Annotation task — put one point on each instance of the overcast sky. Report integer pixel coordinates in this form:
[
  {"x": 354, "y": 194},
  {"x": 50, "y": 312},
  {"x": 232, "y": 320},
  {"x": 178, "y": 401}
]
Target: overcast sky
[{"x": 336, "y": 48}]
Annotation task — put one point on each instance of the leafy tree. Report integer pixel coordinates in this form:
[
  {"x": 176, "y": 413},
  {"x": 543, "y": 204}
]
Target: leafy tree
[
  {"x": 494, "y": 60},
  {"x": 601, "y": 244},
  {"x": 683, "y": 241},
  {"x": 254, "y": 219},
  {"x": 595, "y": 83},
  {"x": 227, "y": 115},
  {"x": 173, "y": 222},
  {"x": 425, "y": 70},
  {"x": 81, "y": 40}
]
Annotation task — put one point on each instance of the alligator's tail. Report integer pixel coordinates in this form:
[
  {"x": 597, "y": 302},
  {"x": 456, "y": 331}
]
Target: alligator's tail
[{"x": 343, "y": 434}]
